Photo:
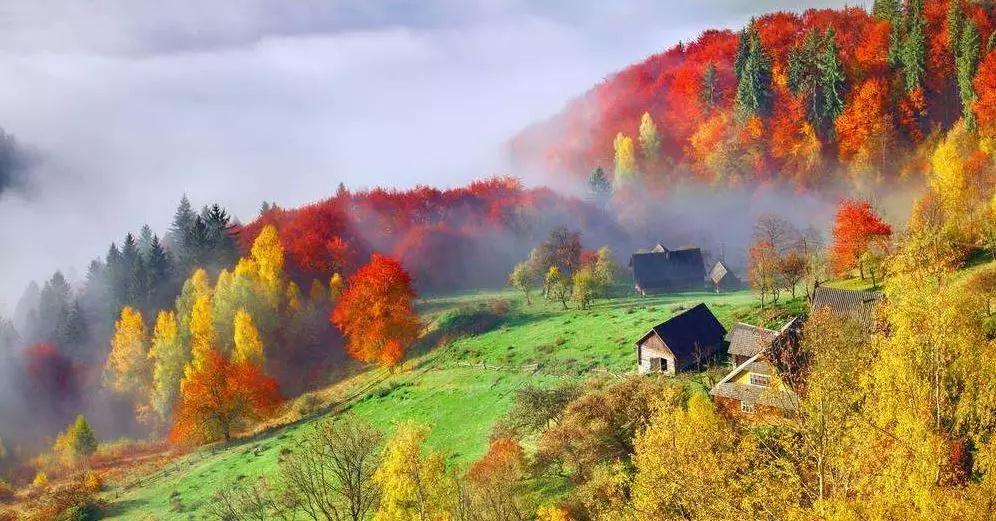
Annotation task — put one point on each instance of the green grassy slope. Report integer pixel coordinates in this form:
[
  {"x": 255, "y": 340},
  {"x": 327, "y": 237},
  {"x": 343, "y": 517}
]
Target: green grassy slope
[{"x": 459, "y": 388}]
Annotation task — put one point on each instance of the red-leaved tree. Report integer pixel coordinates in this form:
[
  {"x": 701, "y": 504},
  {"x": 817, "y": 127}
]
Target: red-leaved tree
[
  {"x": 375, "y": 313},
  {"x": 855, "y": 227},
  {"x": 221, "y": 396}
]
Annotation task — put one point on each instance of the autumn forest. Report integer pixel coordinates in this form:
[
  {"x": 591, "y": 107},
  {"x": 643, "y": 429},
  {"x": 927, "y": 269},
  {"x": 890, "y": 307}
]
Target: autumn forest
[{"x": 474, "y": 352}]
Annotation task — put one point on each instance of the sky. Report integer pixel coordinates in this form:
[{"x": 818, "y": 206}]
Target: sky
[{"x": 121, "y": 107}]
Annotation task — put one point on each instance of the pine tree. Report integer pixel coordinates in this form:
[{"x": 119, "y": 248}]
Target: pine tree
[
  {"x": 955, "y": 21},
  {"x": 159, "y": 269},
  {"x": 599, "y": 186},
  {"x": 832, "y": 79},
  {"x": 135, "y": 289},
  {"x": 743, "y": 49},
  {"x": 885, "y": 9},
  {"x": 221, "y": 248},
  {"x": 650, "y": 142},
  {"x": 913, "y": 54},
  {"x": 53, "y": 309},
  {"x": 73, "y": 333},
  {"x": 709, "y": 94},
  {"x": 967, "y": 63},
  {"x": 144, "y": 239},
  {"x": 754, "y": 81},
  {"x": 805, "y": 78}
]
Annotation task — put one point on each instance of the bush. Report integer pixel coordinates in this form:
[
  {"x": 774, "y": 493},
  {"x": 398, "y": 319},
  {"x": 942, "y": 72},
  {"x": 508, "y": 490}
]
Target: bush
[
  {"x": 8, "y": 515},
  {"x": 500, "y": 306},
  {"x": 40, "y": 481},
  {"x": 6, "y": 492},
  {"x": 71, "y": 502},
  {"x": 93, "y": 482},
  {"x": 307, "y": 404}
]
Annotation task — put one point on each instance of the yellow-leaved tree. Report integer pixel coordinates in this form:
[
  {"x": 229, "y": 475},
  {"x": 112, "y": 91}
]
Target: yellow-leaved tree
[
  {"x": 691, "y": 464},
  {"x": 625, "y": 159},
  {"x": 415, "y": 485},
  {"x": 202, "y": 335},
  {"x": 650, "y": 141},
  {"x": 248, "y": 346},
  {"x": 169, "y": 356},
  {"x": 127, "y": 369},
  {"x": 268, "y": 254}
]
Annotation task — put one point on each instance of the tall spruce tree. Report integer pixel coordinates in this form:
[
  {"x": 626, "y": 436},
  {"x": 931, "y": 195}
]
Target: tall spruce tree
[
  {"x": 754, "y": 81},
  {"x": 53, "y": 309},
  {"x": 220, "y": 247},
  {"x": 833, "y": 81},
  {"x": 805, "y": 79},
  {"x": 144, "y": 239},
  {"x": 599, "y": 187},
  {"x": 710, "y": 90},
  {"x": 134, "y": 279},
  {"x": 966, "y": 65},
  {"x": 159, "y": 269},
  {"x": 913, "y": 54}
]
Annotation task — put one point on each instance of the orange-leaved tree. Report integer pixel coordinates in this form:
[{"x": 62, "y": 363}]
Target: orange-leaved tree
[
  {"x": 375, "y": 312},
  {"x": 855, "y": 228},
  {"x": 219, "y": 396}
]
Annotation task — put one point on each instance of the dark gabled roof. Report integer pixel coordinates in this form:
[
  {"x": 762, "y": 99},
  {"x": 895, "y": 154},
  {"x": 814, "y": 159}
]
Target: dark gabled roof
[
  {"x": 748, "y": 340},
  {"x": 664, "y": 268},
  {"x": 693, "y": 327},
  {"x": 846, "y": 302}
]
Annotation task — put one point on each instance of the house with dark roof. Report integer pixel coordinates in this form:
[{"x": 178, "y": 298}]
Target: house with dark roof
[
  {"x": 723, "y": 278},
  {"x": 754, "y": 385},
  {"x": 661, "y": 270},
  {"x": 687, "y": 340},
  {"x": 857, "y": 305}
]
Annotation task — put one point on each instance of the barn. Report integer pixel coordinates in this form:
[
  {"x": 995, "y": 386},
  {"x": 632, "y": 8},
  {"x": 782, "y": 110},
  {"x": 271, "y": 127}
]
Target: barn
[
  {"x": 661, "y": 270},
  {"x": 688, "y": 340}
]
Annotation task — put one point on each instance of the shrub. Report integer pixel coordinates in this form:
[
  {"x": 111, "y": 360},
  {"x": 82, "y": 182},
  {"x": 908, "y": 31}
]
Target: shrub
[
  {"x": 72, "y": 502},
  {"x": 307, "y": 404},
  {"x": 8, "y": 515},
  {"x": 6, "y": 492},
  {"x": 93, "y": 482},
  {"x": 500, "y": 306},
  {"x": 40, "y": 481}
]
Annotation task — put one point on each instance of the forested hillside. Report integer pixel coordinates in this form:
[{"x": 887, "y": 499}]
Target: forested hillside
[{"x": 808, "y": 100}]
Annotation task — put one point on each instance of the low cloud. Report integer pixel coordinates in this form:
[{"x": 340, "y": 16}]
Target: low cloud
[{"x": 135, "y": 103}]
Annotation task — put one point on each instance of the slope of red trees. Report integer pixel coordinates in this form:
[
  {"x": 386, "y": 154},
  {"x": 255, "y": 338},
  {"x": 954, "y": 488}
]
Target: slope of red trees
[
  {"x": 881, "y": 112},
  {"x": 446, "y": 238}
]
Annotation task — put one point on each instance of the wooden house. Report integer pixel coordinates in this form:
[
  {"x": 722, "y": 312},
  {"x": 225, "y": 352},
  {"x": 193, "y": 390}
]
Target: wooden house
[
  {"x": 686, "y": 341},
  {"x": 754, "y": 385},
  {"x": 661, "y": 270},
  {"x": 723, "y": 279}
]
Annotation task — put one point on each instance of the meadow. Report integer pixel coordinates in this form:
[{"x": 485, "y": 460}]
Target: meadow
[{"x": 477, "y": 350}]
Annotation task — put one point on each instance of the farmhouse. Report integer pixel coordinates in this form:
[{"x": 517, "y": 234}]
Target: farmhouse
[
  {"x": 753, "y": 386},
  {"x": 857, "y": 305},
  {"x": 661, "y": 270},
  {"x": 687, "y": 340},
  {"x": 723, "y": 279}
]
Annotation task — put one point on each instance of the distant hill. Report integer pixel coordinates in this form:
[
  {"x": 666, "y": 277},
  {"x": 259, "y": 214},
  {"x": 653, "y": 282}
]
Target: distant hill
[{"x": 792, "y": 98}]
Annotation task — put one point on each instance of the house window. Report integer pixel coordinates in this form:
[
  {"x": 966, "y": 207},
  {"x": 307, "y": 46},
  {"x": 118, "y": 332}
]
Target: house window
[
  {"x": 747, "y": 407},
  {"x": 760, "y": 380},
  {"x": 658, "y": 364}
]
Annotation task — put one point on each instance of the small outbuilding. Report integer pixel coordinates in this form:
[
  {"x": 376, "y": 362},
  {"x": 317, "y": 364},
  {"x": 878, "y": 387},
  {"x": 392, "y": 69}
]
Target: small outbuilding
[
  {"x": 746, "y": 341},
  {"x": 661, "y": 270},
  {"x": 687, "y": 340},
  {"x": 855, "y": 305},
  {"x": 723, "y": 278}
]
